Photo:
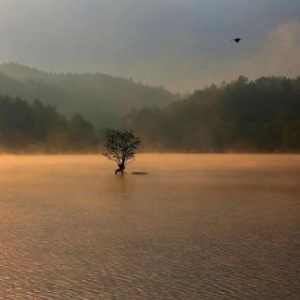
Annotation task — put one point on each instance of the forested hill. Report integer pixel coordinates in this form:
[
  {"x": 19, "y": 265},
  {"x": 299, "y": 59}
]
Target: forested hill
[
  {"x": 101, "y": 99},
  {"x": 241, "y": 116},
  {"x": 36, "y": 127}
]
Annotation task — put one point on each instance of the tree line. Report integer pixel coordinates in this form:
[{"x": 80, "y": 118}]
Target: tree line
[
  {"x": 261, "y": 115},
  {"x": 36, "y": 127}
]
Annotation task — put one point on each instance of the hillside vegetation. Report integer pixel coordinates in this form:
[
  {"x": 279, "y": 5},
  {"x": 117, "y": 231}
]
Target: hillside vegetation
[
  {"x": 242, "y": 116},
  {"x": 262, "y": 115},
  {"x": 101, "y": 99},
  {"x": 38, "y": 128}
]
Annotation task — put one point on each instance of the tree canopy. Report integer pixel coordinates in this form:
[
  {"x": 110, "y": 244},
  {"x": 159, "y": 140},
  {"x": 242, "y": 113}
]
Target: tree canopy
[{"x": 121, "y": 146}]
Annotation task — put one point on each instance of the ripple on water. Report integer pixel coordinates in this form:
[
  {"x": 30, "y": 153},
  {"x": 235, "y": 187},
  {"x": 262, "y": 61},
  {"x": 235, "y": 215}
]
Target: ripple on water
[{"x": 209, "y": 233}]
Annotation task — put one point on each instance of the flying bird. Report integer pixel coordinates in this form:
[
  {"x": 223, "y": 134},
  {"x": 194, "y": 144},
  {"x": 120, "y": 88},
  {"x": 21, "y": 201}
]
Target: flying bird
[{"x": 237, "y": 40}]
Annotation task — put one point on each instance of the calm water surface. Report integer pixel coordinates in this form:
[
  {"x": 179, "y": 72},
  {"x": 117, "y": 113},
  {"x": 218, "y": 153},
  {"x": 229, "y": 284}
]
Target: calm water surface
[{"x": 197, "y": 227}]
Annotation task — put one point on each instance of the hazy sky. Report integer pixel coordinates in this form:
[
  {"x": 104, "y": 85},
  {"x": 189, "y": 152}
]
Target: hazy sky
[{"x": 180, "y": 44}]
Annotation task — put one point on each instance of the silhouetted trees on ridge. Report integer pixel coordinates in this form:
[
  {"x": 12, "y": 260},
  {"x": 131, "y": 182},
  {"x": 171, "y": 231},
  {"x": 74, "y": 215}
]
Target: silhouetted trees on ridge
[
  {"x": 102, "y": 99},
  {"x": 240, "y": 116},
  {"x": 35, "y": 127}
]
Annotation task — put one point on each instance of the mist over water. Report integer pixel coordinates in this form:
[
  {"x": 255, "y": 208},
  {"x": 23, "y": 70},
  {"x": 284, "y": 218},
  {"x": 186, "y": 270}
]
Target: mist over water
[{"x": 195, "y": 227}]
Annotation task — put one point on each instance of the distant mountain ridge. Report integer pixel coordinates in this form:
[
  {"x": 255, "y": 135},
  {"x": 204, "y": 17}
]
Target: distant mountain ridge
[{"x": 102, "y": 99}]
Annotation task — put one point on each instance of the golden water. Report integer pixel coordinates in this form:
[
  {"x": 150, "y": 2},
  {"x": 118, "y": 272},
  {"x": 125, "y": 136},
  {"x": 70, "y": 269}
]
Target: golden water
[{"x": 195, "y": 227}]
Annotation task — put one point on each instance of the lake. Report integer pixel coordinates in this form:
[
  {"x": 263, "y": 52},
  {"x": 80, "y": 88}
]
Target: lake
[{"x": 196, "y": 227}]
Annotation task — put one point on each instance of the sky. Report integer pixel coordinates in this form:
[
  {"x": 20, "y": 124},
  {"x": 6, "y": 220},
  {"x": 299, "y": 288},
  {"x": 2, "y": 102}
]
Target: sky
[{"x": 182, "y": 45}]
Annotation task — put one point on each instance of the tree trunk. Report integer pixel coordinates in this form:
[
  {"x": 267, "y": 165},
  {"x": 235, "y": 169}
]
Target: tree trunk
[{"x": 121, "y": 168}]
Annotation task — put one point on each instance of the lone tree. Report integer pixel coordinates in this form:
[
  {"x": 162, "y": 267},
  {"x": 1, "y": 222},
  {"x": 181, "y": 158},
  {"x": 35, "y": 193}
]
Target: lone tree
[{"x": 120, "y": 147}]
